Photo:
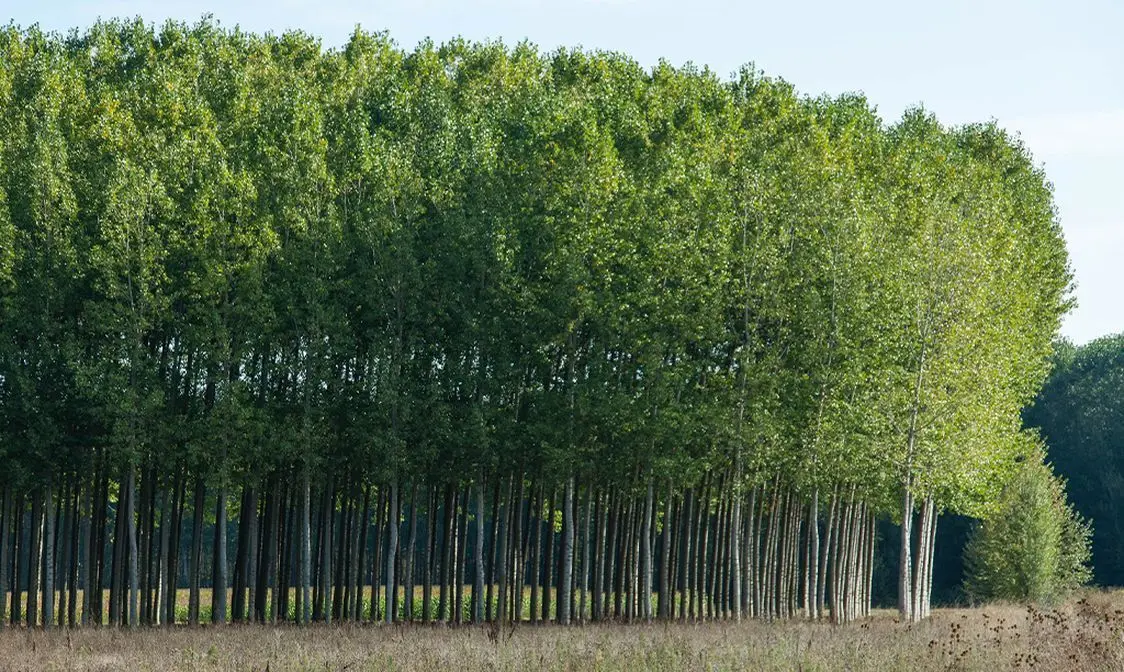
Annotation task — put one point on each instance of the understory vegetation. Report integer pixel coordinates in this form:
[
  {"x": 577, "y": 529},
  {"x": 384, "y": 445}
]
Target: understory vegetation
[
  {"x": 1034, "y": 547},
  {"x": 316, "y": 326}
]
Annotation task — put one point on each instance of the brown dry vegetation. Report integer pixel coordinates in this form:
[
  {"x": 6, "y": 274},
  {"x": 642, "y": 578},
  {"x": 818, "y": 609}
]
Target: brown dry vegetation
[{"x": 1084, "y": 634}]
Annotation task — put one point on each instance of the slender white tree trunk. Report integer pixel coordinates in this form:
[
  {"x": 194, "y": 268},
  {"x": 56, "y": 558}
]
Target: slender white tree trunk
[{"x": 566, "y": 585}]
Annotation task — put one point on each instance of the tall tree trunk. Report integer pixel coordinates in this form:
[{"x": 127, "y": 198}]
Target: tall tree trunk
[
  {"x": 501, "y": 555},
  {"x": 686, "y": 604},
  {"x": 64, "y": 521},
  {"x": 279, "y": 606},
  {"x": 18, "y": 551},
  {"x": 517, "y": 551},
  {"x": 813, "y": 556},
  {"x": 196, "y": 568},
  {"x": 253, "y": 555},
  {"x": 583, "y": 614},
  {"x": 704, "y": 551},
  {"x": 535, "y": 575},
  {"x": 549, "y": 562},
  {"x": 74, "y": 579},
  {"x": 219, "y": 574},
  {"x": 97, "y": 548},
  {"x": 493, "y": 550},
  {"x": 391, "y": 552},
  {"x": 377, "y": 608},
  {"x": 411, "y": 553},
  {"x": 735, "y": 544},
  {"x": 646, "y": 554},
  {"x": 617, "y": 534},
  {"x": 48, "y": 556},
  {"x": 88, "y": 572},
  {"x": 145, "y": 535},
  {"x": 446, "y": 553},
  {"x": 428, "y": 556},
  {"x": 905, "y": 561},
  {"x": 923, "y": 570},
  {"x": 478, "y": 584},
  {"x": 270, "y": 550},
  {"x": 360, "y": 560},
  {"x": 460, "y": 567},
  {"x": 566, "y": 587},
  {"x": 35, "y": 554},
  {"x": 131, "y": 533},
  {"x": 306, "y": 549},
  {"x": 238, "y": 588},
  {"x": 602, "y": 552},
  {"x": 163, "y": 552},
  {"x": 339, "y": 573},
  {"x": 626, "y": 589},
  {"x": 821, "y": 589}
]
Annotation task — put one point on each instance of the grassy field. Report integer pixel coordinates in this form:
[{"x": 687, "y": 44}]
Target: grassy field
[{"x": 1084, "y": 634}]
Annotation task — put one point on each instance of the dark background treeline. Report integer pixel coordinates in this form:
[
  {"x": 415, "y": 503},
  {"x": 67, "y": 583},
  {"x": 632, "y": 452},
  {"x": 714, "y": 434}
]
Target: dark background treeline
[{"x": 307, "y": 323}]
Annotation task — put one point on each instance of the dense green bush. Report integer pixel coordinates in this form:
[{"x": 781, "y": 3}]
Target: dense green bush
[{"x": 1034, "y": 546}]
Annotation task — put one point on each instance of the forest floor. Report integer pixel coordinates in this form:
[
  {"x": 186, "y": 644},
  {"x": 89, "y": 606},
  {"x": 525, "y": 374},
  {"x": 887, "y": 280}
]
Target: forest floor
[{"x": 1086, "y": 633}]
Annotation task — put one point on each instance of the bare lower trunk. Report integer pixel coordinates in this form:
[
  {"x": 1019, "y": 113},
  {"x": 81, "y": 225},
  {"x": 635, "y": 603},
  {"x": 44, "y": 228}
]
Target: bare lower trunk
[
  {"x": 196, "y": 552},
  {"x": 219, "y": 581},
  {"x": 478, "y": 584},
  {"x": 583, "y": 614},
  {"x": 922, "y": 575},
  {"x": 34, "y": 563},
  {"x": 391, "y": 552},
  {"x": 646, "y": 559},
  {"x": 410, "y": 578},
  {"x": 685, "y": 584},
  {"x": 665, "y": 594},
  {"x": 905, "y": 564},
  {"x": 566, "y": 584},
  {"x": 813, "y": 600},
  {"x": 131, "y": 532},
  {"x": 602, "y": 559},
  {"x": 735, "y": 543},
  {"x": 501, "y": 555},
  {"x": 48, "y": 557}
]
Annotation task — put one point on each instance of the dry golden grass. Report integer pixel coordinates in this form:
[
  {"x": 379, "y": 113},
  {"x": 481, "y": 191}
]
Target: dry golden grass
[{"x": 1084, "y": 634}]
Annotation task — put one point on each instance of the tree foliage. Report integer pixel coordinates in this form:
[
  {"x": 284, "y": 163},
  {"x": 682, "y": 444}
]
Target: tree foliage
[
  {"x": 1080, "y": 416},
  {"x": 1034, "y": 545},
  {"x": 326, "y": 278}
]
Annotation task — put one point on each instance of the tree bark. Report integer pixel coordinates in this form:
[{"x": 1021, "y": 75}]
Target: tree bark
[
  {"x": 645, "y": 592},
  {"x": 535, "y": 573},
  {"x": 48, "y": 556},
  {"x": 305, "y": 615},
  {"x": 566, "y": 587},
  {"x": 35, "y": 555},
  {"x": 195, "y": 570},
  {"x": 478, "y": 583},
  {"x": 501, "y": 555},
  {"x": 391, "y": 552},
  {"x": 586, "y": 551},
  {"x": 219, "y": 574},
  {"x": 411, "y": 553}
]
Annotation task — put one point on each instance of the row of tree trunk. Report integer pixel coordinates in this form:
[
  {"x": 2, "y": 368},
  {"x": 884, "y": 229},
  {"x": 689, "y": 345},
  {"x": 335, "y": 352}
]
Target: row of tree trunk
[{"x": 505, "y": 548}]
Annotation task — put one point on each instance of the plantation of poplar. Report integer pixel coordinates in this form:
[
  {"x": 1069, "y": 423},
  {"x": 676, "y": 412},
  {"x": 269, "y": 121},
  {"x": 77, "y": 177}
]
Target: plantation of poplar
[{"x": 536, "y": 336}]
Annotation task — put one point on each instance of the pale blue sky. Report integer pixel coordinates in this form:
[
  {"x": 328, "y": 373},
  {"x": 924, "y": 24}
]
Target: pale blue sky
[{"x": 1053, "y": 71}]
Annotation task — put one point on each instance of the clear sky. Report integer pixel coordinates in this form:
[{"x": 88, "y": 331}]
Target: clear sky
[{"x": 1054, "y": 71}]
